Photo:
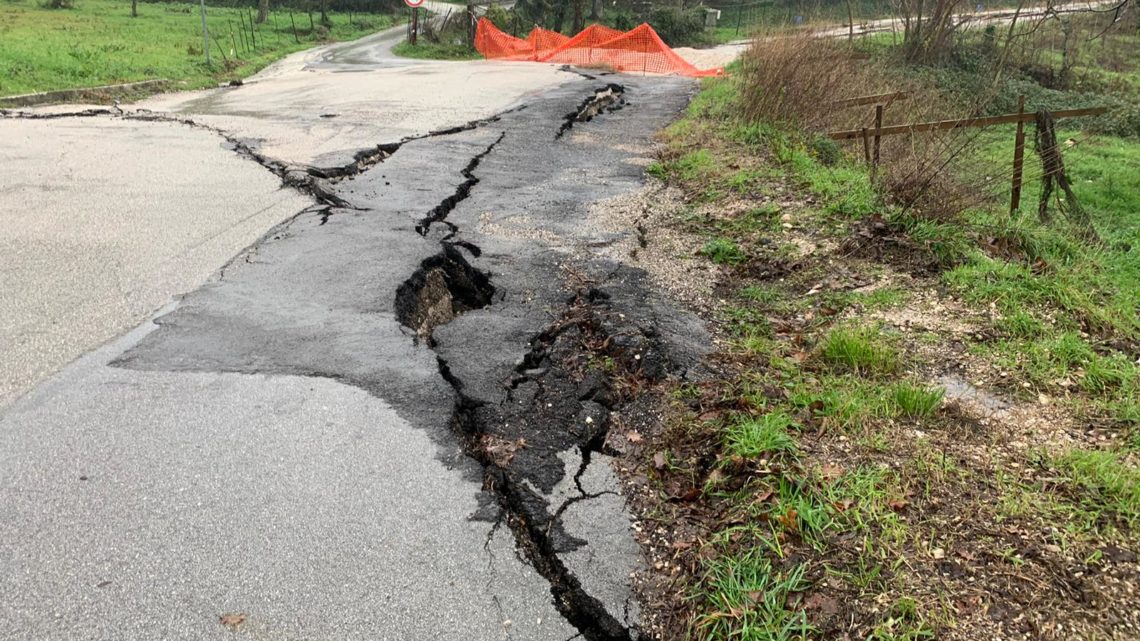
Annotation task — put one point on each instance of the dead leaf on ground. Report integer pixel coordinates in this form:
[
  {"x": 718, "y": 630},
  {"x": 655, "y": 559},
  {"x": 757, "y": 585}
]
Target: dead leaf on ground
[
  {"x": 789, "y": 520},
  {"x": 633, "y": 436},
  {"x": 691, "y": 495},
  {"x": 844, "y": 505},
  {"x": 831, "y": 472},
  {"x": 823, "y": 603},
  {"x": 659, "y": 460},
  {"x": 232, "y": 620}
]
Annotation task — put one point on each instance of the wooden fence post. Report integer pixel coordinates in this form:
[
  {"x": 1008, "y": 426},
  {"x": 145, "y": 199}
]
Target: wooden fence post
[
  {"x": 1018, "y": 159},
  {"x": 866, "y": 146},
  {"x": 878, "y": 126}
]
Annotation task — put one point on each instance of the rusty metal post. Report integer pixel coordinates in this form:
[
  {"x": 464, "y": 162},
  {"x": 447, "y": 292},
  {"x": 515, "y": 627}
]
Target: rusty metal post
[{"x": 1018, "y": 159}]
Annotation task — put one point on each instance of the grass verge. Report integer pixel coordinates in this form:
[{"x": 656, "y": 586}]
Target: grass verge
[
  {"x": 919, "y": 427},
  {"x": 435, "y": 51}
]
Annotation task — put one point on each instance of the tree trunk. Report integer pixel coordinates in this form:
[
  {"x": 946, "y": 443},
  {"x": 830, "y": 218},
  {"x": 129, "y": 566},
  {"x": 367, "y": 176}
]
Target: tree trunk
[
  {"x": 596, "y": 10},
  {"x": 579, "y": 20},
  {"x": 559, "y": 18},
  {"x": 134, "y": 8},
  {"x": 262, "y": 11},
  {"x": 850, "y": 23}
]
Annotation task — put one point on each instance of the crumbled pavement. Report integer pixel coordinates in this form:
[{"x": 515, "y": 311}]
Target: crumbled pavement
[{"x": 420, "y": 388}]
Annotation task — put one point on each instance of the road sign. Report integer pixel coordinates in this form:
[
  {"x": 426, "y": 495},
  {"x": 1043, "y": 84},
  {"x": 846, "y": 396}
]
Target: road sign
[{"x": 413, "y": 3}]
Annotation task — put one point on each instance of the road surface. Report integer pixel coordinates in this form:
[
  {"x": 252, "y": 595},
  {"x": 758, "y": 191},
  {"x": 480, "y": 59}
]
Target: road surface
[{"x": 381, "y": 419}]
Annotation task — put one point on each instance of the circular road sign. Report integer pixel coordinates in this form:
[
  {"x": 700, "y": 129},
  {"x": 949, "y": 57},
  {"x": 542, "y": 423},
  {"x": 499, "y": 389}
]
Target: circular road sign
[{"x": 413, "y": 3}]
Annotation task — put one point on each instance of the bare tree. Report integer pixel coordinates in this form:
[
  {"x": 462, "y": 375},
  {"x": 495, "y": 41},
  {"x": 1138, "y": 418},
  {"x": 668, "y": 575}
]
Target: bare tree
[
  {"x": 134, "y": 8},
  {"x": 262, "y": 11},
  {"x": 928, "y": 27}
]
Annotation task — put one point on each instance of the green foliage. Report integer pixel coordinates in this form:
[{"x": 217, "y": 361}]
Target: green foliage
[
  {"x": 1106, "y": 483},
  {"x": 764, "y": 436},
  {"x": 748, "y": 600},
  {"x": 694, "y": 165},
  {"x": 826, "y": 151},
  {"x": 680, "y": 27},
  {"x": 862, "y": 351},
  {"x": 723, "y": 251},
  {"x": 435, "y": 51},
  {"x": 917, "y": 401}
]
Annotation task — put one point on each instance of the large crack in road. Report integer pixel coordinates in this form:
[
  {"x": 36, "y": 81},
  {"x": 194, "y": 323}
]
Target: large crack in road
[
  {"x": 453, "y": 275},
  {"x": 446, "y": 286}
]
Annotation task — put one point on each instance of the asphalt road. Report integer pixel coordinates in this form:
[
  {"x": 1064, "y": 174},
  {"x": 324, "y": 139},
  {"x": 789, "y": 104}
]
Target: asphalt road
[
  {"x": 105, "y": 221},
  {"x": 310, "y": 444}
]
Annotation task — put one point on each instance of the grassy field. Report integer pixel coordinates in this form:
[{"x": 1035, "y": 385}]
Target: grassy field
[
  {"x": 922, "y": 427},
  {"x": 435, "y": 51},
  {"x": 98, "y": 42}
]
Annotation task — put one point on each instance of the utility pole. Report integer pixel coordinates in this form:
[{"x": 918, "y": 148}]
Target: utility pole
[{"x": 205, "y": 34}]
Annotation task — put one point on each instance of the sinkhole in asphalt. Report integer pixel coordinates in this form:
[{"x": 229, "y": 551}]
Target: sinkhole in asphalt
[
  {"x": 607, "y": 99},
  {"x": 444, "y": 286}
]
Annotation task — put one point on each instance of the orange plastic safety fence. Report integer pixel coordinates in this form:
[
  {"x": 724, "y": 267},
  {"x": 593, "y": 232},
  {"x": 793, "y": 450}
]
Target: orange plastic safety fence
[
  {"x": 638, "y": 50},
  {"x": 494, "y": 44},
  {"x": 544, "y": 41}
]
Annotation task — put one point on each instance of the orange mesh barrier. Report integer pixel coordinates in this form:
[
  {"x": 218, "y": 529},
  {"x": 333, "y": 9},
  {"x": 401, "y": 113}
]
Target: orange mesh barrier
[
  {"x": 543, "y": 41},
  {"x": 494, "y": 44},
  {"x": 640, "y": 49}
]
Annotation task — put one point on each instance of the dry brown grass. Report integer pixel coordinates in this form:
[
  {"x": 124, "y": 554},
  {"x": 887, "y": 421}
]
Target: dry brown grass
[{"x": 796, "y": 81}]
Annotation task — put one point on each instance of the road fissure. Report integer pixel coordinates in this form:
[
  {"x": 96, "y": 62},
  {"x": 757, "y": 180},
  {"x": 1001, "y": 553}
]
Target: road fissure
[{"x": 605, "y": 100}]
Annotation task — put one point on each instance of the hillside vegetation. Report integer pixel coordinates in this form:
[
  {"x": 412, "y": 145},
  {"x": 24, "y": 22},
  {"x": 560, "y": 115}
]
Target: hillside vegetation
[{"x": 924, "y": 420}]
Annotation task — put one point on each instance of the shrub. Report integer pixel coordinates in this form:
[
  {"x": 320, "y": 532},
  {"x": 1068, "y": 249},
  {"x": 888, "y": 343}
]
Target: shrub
[{"x": 679, "y": 27}]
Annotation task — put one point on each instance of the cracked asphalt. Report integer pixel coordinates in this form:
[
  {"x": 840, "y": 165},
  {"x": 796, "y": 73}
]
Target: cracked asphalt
[{"x": 363, "y": 426}]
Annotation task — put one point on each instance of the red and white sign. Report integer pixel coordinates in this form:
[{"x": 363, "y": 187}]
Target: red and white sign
[{"x": 413, "y": 3}]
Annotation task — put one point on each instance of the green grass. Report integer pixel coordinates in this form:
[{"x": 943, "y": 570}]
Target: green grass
[
  {"x": 862, "y": 351},
  {"x": 435, "y": 51},
  {"x": 1095, "y": 492},
  {"x": 723, "y": 251},
  {"x": 764, "y": 436},
  {"x": 98, "y": 43},
  {"x": 829, "y": 447},
  {"x": 1104, "y": 171},
  {"x": 749, "y": 601},
  {"x": 1106, "y": 485},
  {"x": 917, "y": 401}
]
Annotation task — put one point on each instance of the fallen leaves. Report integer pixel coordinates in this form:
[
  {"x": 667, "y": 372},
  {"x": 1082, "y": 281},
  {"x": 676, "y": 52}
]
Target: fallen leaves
[
  {"x": 232, "y": 620},
  {"x": 501, "y": 451},
  {"x": 823, "y": 603}
]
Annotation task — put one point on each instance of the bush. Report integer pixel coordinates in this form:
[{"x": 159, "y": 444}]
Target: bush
[
  {"x": 826, "y": 151},
  {"x": 679, "y": 28}
]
